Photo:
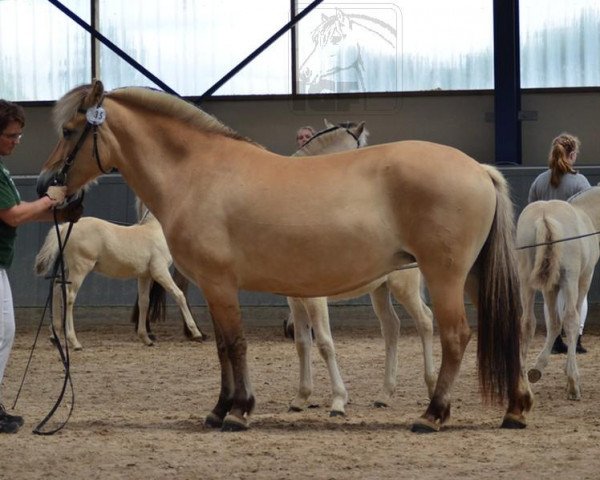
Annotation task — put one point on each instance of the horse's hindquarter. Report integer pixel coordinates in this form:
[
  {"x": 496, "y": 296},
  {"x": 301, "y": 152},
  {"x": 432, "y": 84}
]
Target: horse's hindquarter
[
  {"x": 567, "y": 221},
  {"x": 325, "y": 225}
]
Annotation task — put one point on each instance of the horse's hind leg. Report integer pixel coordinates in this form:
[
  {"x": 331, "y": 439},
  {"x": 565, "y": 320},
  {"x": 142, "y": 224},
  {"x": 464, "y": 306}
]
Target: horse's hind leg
[
  {"x": 144, "y": 284},
  {"x": 553, "y": 324},
  {"x": 528, "y": 324},
  {"x": 390, "y": 329},
  {"x": 164, "y": 278},
  {"x": 571, "y": 326},
  {"x": 449, "y": 309},
  {"x": 406, "y": 287},
  {"x": 61, "y": 311},
  {"x": 303, "y": 342},
  {"x": 183, "y": 284}
]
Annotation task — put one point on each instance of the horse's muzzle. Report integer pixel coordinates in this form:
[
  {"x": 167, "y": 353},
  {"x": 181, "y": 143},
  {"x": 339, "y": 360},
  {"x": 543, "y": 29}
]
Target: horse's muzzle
[{"x": 47, "y": 179}]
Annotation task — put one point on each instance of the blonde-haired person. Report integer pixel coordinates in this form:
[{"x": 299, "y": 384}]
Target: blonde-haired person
[
  {"x": 560, "y": 182},
  {"x": 304, "y": 134}
]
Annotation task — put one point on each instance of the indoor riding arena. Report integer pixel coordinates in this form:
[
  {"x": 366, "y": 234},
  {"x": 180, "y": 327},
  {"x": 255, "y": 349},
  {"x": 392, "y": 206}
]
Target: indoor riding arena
[{"x": 362, "y": 239}]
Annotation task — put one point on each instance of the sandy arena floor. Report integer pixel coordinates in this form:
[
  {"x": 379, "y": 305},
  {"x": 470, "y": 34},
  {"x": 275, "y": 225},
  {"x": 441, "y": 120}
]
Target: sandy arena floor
[{"x": 139, "y": 410}]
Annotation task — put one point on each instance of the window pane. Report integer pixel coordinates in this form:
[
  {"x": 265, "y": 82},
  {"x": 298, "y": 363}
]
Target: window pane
[
  {"x": 402, "y": 45},
  {"x": 191, "y": 44},
  {"x": 43, "y": 53},
  {"x": 560, "y": 43}
]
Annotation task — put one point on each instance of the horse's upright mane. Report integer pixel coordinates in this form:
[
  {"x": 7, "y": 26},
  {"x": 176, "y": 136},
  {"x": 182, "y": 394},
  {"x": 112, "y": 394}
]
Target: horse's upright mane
[{"x": 149, "y": 99}]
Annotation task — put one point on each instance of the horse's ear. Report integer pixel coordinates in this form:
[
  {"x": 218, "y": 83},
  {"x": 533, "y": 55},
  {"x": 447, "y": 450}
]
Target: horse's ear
[
  {"x": 358, "y": 130},
  {"x": 361, "y": 133},
  {"x": 328, "y": 124},
  {"x": 96, "y": 93}
]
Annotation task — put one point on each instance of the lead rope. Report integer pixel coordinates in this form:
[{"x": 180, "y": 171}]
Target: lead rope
[
  {"x": 59, "y": 264},
  {"x": 63, "y": 353}
]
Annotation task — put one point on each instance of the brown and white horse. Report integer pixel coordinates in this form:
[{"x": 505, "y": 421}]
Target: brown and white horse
[
  {"x": 556, "y": 267},
  {"x": 237, "y": 216}
]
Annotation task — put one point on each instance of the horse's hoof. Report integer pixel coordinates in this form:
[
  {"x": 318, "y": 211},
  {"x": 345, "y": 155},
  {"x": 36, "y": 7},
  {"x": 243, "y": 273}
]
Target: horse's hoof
[
  {"x": 380, "y": 404},
  {"x": 534, "y": 375},
  {"x": 152, "y": 337},
  {"x": 213, "y": 421},
  {"x": 337, "y": 413},
  {"x": 198, "y": 339},
  {"x": 513, "y": 422},
  {"x": 78, "y": 348},
  {"x": 294, "y": 408},
  {"x": 422, "y": 425},
  {"x": 232, "y": 423}
]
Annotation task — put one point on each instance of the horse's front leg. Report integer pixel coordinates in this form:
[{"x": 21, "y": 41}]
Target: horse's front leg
[
  {"x": 318, "y": 316},
  {"x": 236, "y": 399},
  {"x": 405, "y": 285}
]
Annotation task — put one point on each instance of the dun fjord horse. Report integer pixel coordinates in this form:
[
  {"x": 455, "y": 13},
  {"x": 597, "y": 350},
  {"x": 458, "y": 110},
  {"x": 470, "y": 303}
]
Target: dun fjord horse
[
  {"x": 313, "y": 312},
  {"x": 237, "y": 216},
  {"x": 558, "y": 267},
  {"x": 137, "y": 251}
]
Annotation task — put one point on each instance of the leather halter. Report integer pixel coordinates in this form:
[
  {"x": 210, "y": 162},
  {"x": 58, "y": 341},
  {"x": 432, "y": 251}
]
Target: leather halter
[
  {"x": 332, "y": 129},
  {"x": 61, "y": 177}
]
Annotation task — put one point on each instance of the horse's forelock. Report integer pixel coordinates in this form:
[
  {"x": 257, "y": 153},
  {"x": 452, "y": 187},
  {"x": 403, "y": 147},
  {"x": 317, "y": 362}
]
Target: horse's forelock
[{"x": 67, "y": 106}]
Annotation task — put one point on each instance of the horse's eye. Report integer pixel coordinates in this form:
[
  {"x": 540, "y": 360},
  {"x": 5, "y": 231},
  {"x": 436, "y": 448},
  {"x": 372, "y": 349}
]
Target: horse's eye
[{"x": 67, "y": 133}]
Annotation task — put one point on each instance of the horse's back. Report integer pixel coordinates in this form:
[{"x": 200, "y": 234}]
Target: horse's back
[{"x": 392, "y": 203}]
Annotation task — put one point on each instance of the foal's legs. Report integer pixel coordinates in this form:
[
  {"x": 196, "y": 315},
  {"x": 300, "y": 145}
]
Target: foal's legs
[
  {"x": 390, "y": 330},
  {"x": 144, "y": 285},
  {"x": 163, "y": 277},
  {"x": 58, "y": 309}
]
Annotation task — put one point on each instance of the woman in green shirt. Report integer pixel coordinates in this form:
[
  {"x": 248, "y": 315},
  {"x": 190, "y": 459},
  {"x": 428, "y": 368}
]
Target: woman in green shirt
[{"x": 14, "y": 212}]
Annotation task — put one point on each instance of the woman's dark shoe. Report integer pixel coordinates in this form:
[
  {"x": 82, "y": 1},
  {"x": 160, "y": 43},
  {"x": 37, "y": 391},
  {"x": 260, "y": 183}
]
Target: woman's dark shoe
[
  {"x": 6, "y": 426},
  {"x": 6, "y": 417},
  {"x": 559, "y": 346},
  {"x": 580, "y": 347}
]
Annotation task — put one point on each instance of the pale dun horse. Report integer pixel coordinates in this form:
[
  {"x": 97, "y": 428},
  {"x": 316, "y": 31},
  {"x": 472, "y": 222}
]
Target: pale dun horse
[
  {"x": 314, "y": 312},
  {"x": 116, "y": 251},
  {"x": 553, "y": 266},
  {"x": 237, "y": 216}
]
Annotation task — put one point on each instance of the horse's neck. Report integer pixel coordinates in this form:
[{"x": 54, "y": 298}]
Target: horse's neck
[{"x": 324, "y": 145}]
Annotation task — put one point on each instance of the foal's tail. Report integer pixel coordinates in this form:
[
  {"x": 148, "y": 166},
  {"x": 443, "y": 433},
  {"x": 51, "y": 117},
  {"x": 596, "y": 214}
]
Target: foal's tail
[
  {"x": 499, "y": 309},
  {"x": 546, "y": 264},
  {"x": 46, "y": 257}
]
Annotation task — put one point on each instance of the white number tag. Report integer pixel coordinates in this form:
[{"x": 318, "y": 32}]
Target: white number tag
[{"x": 95, "y": 115}]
